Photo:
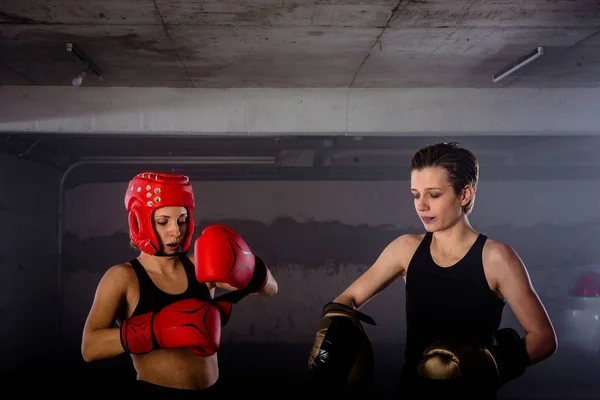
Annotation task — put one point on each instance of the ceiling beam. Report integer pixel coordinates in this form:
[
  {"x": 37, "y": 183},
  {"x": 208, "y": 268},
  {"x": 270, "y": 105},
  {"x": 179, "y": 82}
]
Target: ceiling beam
[
  {"x": 552, "y": 149},
  {"x": 121, "y": 174},
  {"x": 300, "y": 112}
]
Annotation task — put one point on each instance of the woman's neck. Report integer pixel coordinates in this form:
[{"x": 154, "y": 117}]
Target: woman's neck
[
  {"x": 456, "y": 237},
  {"x": 158, "y": 264}
]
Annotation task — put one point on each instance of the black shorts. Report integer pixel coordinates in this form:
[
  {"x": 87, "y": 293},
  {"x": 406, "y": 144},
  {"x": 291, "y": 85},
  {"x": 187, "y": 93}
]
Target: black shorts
[
  {"x": 412, "y": 386},
  {"x": 143, "y": 388}
]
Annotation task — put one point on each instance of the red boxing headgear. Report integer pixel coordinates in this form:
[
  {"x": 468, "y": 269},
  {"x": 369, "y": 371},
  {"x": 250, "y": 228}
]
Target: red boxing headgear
[{"x": 149, "y": 191}]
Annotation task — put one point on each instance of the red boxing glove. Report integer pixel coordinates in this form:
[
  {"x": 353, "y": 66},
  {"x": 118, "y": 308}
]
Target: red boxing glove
[
  {"x": 224, "y": 308},
  {"x": 189, "y": 323},
  {"x": 221, "y": 255}
]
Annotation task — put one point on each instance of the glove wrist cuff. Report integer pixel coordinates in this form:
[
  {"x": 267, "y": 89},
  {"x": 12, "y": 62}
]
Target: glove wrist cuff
[
  {"x": 510, "y": 354},
  {"x": 342, "y": 308},
  {"x": 259, "y": 277}
]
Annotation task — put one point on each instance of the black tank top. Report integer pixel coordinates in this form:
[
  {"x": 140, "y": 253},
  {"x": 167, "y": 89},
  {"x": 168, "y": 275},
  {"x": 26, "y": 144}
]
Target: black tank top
[
  {"x": 454, "y": 303},
  {"x": 153, "y": 299}
]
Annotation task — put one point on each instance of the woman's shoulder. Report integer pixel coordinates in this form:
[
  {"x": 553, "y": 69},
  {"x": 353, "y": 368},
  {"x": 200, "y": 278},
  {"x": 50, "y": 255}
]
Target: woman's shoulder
[
  {"x": 410, "y": 239},
  {"x": 122, "y": 272},
  {"x": 499, "y": 252},
  {"x": 406, "y": 245}
]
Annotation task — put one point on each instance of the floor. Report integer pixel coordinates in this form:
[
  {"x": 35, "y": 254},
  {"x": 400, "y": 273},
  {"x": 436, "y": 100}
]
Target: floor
[{"x": 276, "y": 371}]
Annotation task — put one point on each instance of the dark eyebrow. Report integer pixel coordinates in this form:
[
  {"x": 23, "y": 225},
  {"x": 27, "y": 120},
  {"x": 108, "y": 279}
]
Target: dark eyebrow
[
  {"x": 426, "y": 189},
  {"x": 168, "y": 216}
]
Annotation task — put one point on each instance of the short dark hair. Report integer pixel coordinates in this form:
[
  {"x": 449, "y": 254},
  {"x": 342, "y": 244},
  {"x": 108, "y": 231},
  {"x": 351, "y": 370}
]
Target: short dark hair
[{"x": 460, "y": 164}]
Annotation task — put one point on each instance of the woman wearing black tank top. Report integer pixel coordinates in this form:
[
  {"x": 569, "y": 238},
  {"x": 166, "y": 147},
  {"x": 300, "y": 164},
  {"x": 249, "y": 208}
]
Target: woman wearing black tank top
[
  {"x": 457, "y": 282},
  {"x": 175, "y": 355}
]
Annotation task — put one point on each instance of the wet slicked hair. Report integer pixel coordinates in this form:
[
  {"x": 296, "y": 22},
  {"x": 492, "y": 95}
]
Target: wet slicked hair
[{"x": 460, "y": 164}]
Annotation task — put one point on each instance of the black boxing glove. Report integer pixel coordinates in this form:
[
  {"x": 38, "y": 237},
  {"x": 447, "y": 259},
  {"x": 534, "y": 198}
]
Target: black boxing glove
[
  {"x": 491, "y": 366},
  {"x": 342, "y": 352}
]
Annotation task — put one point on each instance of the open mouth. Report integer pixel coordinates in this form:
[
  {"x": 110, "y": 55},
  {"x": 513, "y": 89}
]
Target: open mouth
[{"x": 173, "y": 245}]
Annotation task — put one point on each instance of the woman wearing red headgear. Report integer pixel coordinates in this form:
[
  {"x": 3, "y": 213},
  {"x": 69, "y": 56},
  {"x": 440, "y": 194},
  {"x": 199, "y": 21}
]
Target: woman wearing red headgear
[{"x": 153, "y": 307}]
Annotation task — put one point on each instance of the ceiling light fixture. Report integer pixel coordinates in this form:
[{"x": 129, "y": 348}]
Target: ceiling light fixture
[
  {"x": 89, "y": 64},
  {"x": 79, "y": 79},
  {"x": 518, "y": 64}
]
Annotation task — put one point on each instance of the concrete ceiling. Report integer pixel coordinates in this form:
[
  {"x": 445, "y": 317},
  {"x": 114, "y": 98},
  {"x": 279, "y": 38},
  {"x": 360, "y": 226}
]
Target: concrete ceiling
[{"x": 301, "y": 43}]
